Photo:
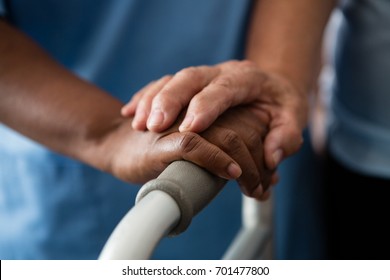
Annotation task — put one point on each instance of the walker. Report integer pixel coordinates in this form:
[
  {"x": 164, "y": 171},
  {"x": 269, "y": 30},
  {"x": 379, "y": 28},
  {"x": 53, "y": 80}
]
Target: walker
[{"x": 165, "y": 206}]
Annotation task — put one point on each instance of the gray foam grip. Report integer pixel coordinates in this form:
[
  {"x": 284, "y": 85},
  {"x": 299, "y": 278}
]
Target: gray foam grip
[{"x": 189, "y": 185}]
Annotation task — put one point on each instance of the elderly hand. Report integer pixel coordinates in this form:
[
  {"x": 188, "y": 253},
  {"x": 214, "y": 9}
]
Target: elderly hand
[
  {"x": 209, "y": 91},
  {"x": 230, "y": 148}
]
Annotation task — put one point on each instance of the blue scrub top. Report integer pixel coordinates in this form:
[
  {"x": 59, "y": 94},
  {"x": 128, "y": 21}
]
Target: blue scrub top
[{"x": 52, "y": 207}]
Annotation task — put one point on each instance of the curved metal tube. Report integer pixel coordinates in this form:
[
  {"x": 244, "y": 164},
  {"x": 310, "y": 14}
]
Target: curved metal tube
[
  {"x": 142, "y": 228},
  {"x": 255, "y": 233},
  {"x": 164, "y": 206},
  {"x": 167, "y": 204}
]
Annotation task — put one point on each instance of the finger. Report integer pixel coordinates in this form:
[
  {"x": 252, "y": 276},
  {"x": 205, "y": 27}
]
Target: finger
[
  {"x": 222, "y": 93},
  {"x": 267, "y": 193},
  {"x": 231, "y": 143},
  {"x": 262, "y": 194},
  {"x": 252, "y": 133},
  {"x": 175, "y": 95},
  {"x": 265, "y": 196},
  {"x": 129, "y": 108},
  {"x": 252, "y": 129},
  {"x": 192, "y": 147},
  {"x": 144, "y": 101},
  {"x": 274, "y": 179},
  {"x": 282, "y": 141}
]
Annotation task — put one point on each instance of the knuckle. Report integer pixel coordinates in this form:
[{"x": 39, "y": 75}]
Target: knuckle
[
  {"x": 225, "y": 83},
  {"x": 201, "y": 104},
  {"x": 144, "y": 102},
  {"x": 248, "y": 63},
  {"x": 231, "y": 63},
  {"x": 253, "y": 139},
  {"x": 214, "y": 156},
  {"x": 192, "y": 73},
  {"x": 189, "y": 142},
  {"x": 232, "y": 140},
  {"x": 165, "y": 100},
  {"x": 166, "y": 78}
]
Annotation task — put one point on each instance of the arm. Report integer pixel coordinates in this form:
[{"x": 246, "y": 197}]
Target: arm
[
  {"x": 285, "y": 39},
  {"x": 47, "y": 103}
]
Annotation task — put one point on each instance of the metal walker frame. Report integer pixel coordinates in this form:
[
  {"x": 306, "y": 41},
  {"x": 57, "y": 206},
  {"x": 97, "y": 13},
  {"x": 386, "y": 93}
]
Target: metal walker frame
[{"x": 166, "y": 205}]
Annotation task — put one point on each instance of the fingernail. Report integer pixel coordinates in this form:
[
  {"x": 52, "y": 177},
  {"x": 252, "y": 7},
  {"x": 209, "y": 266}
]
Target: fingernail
[
  {"x": 234, "y": 170},
  {"x": 186, "y": 122},
  {"x": 156, "y": 118},
  {"x": 277, "y": 157}
]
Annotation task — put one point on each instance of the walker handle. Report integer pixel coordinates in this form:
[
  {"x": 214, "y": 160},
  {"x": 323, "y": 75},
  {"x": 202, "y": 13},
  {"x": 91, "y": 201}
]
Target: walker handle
[{"x": 189, "y": 185}]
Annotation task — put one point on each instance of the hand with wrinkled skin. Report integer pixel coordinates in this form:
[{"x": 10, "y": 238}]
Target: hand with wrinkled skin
[
  {"x": 211, "y": 90},
  {"x": 138, "y": 157},
  {"x": 284, "y": 52},
  {"x": 240, "y": 133},
  {"x": 237, "y": 133}
]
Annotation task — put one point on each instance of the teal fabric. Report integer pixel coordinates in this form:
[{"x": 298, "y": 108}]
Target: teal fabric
[{"x": 52, "y": 207}]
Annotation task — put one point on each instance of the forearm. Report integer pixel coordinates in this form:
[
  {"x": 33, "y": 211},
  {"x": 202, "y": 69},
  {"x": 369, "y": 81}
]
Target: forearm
[
  {"x": 285, "y": 37},
  {"x": 42, "y": 100}
]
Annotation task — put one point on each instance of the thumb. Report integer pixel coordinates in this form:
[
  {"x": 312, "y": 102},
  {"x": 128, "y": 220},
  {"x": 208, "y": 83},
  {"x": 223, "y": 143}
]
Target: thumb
[{"x": 282, "y": 141}]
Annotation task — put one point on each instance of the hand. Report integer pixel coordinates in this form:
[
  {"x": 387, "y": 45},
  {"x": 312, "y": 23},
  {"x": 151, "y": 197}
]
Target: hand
[
  {"x": 208, "y": 91},
  {"x": 241, "y": 124},
  {"x": 231, "y": 148},
  {"x": 138, "y": 157},
  {"x": 240, "y": 133}
]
